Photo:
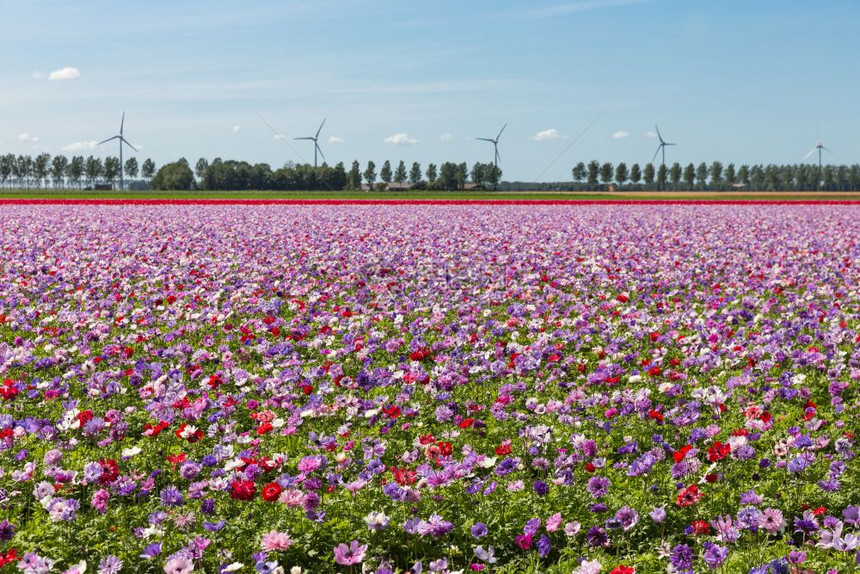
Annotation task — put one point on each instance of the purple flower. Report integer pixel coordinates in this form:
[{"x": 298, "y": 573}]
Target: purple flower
[
  {"x": 597, "y": 537},
  {"x": 541, "y": 488},
  {"x": 682, "y": 557},
  {"x": 598, "y": 486},
  {"x": 627, "y": 517},
  {"x": 352, "y": 554},
  {"x": 532, "y": 526},
  {"x": 151, "y": 551},
  {"x": 7, "y": 530},
  {"x": 110, "y": 565},
  {"x": 479, "y": 530},
  {"x": 714, "y": 555},
  {"x": 658, "y": 514},
  {"x": 171, "y": 496},
  {"x": 544, "y": 546}
]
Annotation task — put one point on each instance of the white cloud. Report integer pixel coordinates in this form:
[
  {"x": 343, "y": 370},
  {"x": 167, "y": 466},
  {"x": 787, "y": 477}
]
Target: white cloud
[
  {"x": 401, "y": 139},
  {"x": 81, "y": 146},
  {"x": 237, "y": 128},
  {"x": 25, "y": 137},
  {"x": 446, "y": 137},
  {"x": 550, "y": 134},
  {"x": 37, "y": 75},
  {"x": 335, "y": 140},
  {"x": 650, "y": 134},
  {"x": 620, "y": 135},
  {"x": 66, "y": 73}
]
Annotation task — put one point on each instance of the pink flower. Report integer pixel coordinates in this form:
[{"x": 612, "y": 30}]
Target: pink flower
[
  {"x": 553, "y": 522},
  {"x": 348, "y": 555},
  {"x": 276, "y": 541},
  {"x": 99, "y": 500},
  {"x": 179, "y": 565}
]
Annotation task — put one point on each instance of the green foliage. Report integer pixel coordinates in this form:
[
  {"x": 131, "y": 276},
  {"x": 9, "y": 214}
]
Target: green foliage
[{"x": 176, "y": 175}]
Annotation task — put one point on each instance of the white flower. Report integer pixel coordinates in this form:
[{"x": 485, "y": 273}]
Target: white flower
[{"x": 130, "y": 452}]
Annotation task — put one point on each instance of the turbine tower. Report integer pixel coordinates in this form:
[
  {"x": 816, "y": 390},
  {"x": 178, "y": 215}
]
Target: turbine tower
[
  {"x": 818, "y": 147},
  {"x": 661, "y": 147},
  {"x": 122, "y": 140},
  {"x": 316, "y": 144},
  {"x": 495, "y": 142}
]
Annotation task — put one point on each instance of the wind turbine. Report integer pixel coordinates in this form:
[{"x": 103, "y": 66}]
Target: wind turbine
[
  {"x": 122, "y": 140},
  {"x": 495, "y": 142},
  {"x": 661, "y": 147},
  {"x": 819, "y": 146},
  {"x": 316, "y": 144}
]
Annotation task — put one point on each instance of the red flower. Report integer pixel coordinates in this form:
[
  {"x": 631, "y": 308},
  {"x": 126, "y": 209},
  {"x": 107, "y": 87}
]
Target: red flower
[
  {"x": 419, "y": 355},
  {"x": 110, "y": 470},
  {"x": 467, "y": 423},
  {"x": 264, "y": 428},
  {"x": 426, "y": 439},
  {"x": 679, "y": 454},
  {"x": 689, "y": 496},
  {"x": 153, "y": 431},
  {"x": 307, "y": 389},
  {"x": 8, "y": 390},
  {"x": 503, "y": 449},
  {"x": 700, "y": 527},
  {"x": 10, "y": 556},
  {"x": 718, "y": 451},
  {"x": 405, "y": 477},
  {"x": 622, "y": 569},
  {"x": 656, "y": 415},
  {"x": 271, "y": 492},
  {"x": 242, "y": 490},
  {"x": 445, "y": 448},
  {"x": 590, "y": 467},
  {"x": 175, "y": 459},
  {"x": 84, "y": 416}
]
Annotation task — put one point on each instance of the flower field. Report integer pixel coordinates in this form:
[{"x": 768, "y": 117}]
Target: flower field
[{"x": 379, "y": 388}]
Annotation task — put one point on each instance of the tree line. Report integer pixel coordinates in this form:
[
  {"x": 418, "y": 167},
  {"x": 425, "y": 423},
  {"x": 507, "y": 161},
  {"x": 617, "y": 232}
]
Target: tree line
[
  {"x": 240, "y": 175},
  {"x": 716, "y": 177},
  {"x": 60, "y": 172}
]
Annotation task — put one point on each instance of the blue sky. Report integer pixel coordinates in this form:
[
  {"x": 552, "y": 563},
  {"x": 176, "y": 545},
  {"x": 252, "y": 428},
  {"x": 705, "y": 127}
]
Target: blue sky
[{"x": 743, "y": 81}]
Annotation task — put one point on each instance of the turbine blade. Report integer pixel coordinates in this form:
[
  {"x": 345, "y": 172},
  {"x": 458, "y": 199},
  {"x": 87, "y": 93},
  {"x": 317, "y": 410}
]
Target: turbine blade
[
  {"x": 107, "y": 140},
  {"x": 659, "y": 147},
  {"x": 125, "y": 141},
  {"x": 307, "y": 138},
  {"x": 122, "y": 123},
  {"x": 669, "y": 144},
  {"x": 827, "y": 149},
  {"x": 810, "y": 153},
  {"x": 486, "y": 140},
  {"x": 498, "y": 156},
  {"x": 500, "y": 132},
  {"x": 659, "y": 135},
  {"x": 319, "y": 149},
  {"x": 319, "y": 130}
]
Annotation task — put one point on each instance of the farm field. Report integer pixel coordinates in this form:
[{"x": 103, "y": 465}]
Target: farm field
[
  {"x": 7, "y": 195},
  {"x": 475, "y": 388}
]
